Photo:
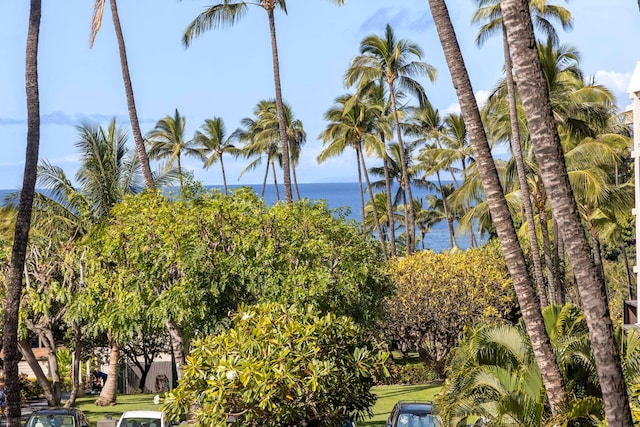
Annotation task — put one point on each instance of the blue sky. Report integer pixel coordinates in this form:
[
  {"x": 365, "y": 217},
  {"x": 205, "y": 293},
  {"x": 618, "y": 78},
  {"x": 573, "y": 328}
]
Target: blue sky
[{"x": 226, "y": 72}]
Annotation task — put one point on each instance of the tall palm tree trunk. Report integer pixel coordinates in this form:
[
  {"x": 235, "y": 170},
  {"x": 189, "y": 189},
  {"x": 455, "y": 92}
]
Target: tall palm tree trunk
[
  {"x": 558, "y": 258},
  {"x": 411, "y": 216},
  {"x": 360, "y": 186},
  {"x": 548, "y": 152},
  {"x": 109, "y": 392},
  {"x": 284, "y": 141},
  {"x": 224, "y": 175},
  {"x": 445, "y": 207},
  {"x": 264, "y": 180},
  {"x": 390, "y": 215},
  {"x": 546, "y": 248},
  {"x": 374, "y": 209},
  {"x": 11, "y": 355},
  {"x": 275, "y": 179},
  {"x": 529, "y": 303},
  {"x": 295, "y": 181},
  {"x": 522, "y": 174},
  {"x": 131, "y": 104}
]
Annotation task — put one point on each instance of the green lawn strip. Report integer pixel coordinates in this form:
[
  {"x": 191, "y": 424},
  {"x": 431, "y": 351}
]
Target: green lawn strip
[
  {"x": 387, "y": 397},
  {"x": 126, "y": 402}
]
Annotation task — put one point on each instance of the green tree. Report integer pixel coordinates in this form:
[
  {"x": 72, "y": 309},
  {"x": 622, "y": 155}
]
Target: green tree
[
  {"x": 281, "y": 365},
  {"x": 397, "y": 63},
  {"x": 213, "y": 139},
  {"x": 227, "y": 12},
  {"x": 166, "y": 140},
  {"x": 96, "y": 22},
  {"x": 11, "y": 355},
  {"x": 548, "y": 151},
  {"x": 529, "y": 303}
]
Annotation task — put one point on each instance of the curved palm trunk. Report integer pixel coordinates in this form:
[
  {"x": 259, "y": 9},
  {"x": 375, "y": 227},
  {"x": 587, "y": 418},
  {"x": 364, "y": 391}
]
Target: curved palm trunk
[
  {"x": 548, "y": 152},
  {"x": 180, "y": 172},
  {"x": 295, "y": 181},
  {"x": 264, "y": 180},
  {"x": 522, "y": 174},
  {"x": 11, "y": 355},
  {"x": 284, "y": 141},
  {"x": 109, "y": 392},
  {"x": 390, "y": 216},
  {"x": 50, "y": 393},
  {"x": 374, "y": 208},
  {"x": 131, "y": 104},
  {"x": 224, "y": 176},
  {"x": 360, "y": 186},
  {"x": 529, "y": 303},
  {"x": 411, "y": 216}
]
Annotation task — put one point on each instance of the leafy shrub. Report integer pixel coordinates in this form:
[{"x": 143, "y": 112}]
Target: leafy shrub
[{"x": 29, "y": 388}]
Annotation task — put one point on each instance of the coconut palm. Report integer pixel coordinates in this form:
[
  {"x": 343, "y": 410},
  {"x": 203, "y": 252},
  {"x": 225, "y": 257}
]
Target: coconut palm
[
  {"x": 96, "y": 23},
  {"x": 543, "y": 12},
  {"x": 166, "y": 141},
  {"x": 529, "y": 303},
  {"x": 351, "y": 124},
  {"x": 397, "y": 62},
  {"x": 11, "y": 355},
  {"x": 214, "y": 141},
  {"x": 227, "y": 12},
  {"x": 548, "y": 151}
]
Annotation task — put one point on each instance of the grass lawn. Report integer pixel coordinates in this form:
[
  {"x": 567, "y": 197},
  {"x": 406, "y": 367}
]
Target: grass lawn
[{"x": 387, "y": 397}]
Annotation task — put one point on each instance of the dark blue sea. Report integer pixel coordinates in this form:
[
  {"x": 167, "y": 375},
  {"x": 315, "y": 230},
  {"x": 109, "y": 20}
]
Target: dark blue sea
[{"x": 346, "y": 195}]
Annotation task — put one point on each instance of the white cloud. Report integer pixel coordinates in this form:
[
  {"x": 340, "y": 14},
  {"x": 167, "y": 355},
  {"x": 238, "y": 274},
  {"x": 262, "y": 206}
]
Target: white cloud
[
  {"x": 481, "y": 98},
  {"x": 617, "y": 82}
]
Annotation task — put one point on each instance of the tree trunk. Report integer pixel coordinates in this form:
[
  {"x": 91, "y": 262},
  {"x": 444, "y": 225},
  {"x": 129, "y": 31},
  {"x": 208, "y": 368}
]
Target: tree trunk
[
  {"x": 282, "y": 125},
  {"x": 529, "y": 303},
  {"x": 109, "y": 392},
  {"x": 76, "y": 389},
  {"x": 11, "y": 355},
  {"x": 275, "y": 179},
  {"x": 295, "y": 180},
  {"x": 131, "y": 104},
  {"x": 406, "y": 183},
  {"x": 390, "y": 214},
  {"x": 50, "y": 393},
  {"x": 360, "y": 186},
  {"x": 522, "y": 174},
  {"x": 548, "y": 151},
  {"x": 452, "y": 233},
  {"x": 374, "y": 208},
  {"x": 546, "y": 247},
  {"x": 264, "y": 180},
  {"x": 224, "y": 175},
  {"x": 177, "y": 344}
]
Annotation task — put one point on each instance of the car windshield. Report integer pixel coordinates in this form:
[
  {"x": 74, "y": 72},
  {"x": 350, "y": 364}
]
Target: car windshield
[
  {"x": 413, "y": 420},
  {"x": 140, "y": 422},
  {"x": 51, "y": 421}
]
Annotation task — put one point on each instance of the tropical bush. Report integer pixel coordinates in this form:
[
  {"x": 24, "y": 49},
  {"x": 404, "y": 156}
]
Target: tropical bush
[
  {"x": 438, "y": 295},
  {"x": 280, "y": 366}
]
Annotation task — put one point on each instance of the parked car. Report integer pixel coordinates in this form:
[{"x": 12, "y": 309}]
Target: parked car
[
  {"x": 144, "y": 419},
  {"x": 411, "y": 414},
  {"x": 57, "y": 417}
]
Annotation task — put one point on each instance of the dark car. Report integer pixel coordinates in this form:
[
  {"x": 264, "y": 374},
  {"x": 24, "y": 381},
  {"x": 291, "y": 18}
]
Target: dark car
[
  {"x": 411, "y": 414},
  {"x": 57, "y": 417}
]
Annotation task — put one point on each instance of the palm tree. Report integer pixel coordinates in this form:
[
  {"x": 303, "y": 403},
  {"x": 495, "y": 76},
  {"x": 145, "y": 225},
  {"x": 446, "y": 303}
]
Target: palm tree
[
  {"x": 96, "y": 22},
  {"x": 489, "y": 12},
  {"x": 166, "y": 140},
  {"x": 213, "y": 140},
  {"x": 529, "y": 304},
  {"x": 11, "y": 355},
  {"x": 397, "y": 62},
  {"x": 227, "y": 12},
  {"x": 548, "y": 151},
  {"x": 351, "y": 124}
]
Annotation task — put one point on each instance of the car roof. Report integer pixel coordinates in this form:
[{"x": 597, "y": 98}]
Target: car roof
[
  {"x": 414, "y": 407},
  {"x": 142, "y": 414},
  {"x": 57, "y": 411}
]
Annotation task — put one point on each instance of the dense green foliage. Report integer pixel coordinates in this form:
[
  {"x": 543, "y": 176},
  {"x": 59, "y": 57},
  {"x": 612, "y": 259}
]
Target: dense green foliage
[
  {"x": 280, "y": 366},
  {"x": 438, "y": 295}
]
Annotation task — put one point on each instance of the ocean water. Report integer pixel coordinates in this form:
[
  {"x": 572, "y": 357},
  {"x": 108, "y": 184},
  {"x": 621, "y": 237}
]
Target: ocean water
[{"x": 345, "y": 195}]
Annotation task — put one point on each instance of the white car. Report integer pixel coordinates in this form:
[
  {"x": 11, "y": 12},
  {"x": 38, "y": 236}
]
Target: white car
[{"x": 144, "y": 419}]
